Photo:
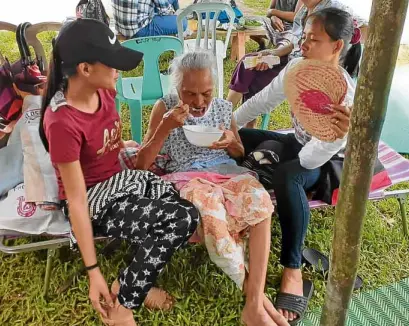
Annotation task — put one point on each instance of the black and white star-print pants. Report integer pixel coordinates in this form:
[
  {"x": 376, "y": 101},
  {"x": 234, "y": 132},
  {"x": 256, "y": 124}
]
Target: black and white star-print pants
[{"x": 158, "y": 227}]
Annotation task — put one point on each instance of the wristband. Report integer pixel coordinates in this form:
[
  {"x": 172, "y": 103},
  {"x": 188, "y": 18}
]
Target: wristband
[{"x": 88, "y": 268}]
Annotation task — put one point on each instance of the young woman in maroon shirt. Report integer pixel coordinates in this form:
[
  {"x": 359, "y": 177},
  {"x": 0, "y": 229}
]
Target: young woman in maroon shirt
[{"x": 82, "y": 132}]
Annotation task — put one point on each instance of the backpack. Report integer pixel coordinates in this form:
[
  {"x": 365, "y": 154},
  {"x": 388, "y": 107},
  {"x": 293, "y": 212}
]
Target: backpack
[
  {"x": 92, "y": 9},
  {"x": 223, "y": 18}
]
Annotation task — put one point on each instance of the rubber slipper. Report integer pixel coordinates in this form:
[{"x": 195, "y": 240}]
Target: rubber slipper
[
  {"x": 317, "y": 259},
  {"x": 320, "y": 262},
  {"x": 295, "y": 303}
]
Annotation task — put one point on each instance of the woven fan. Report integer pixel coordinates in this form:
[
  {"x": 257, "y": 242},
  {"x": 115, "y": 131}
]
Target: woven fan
[{"x": 311, "y": 86}]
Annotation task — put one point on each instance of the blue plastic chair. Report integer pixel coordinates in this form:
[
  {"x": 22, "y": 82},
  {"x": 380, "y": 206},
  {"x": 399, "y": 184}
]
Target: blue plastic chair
[{"x": 147, "y": 89}]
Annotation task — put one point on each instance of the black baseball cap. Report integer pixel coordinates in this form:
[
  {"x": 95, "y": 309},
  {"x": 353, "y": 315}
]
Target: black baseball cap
[{"x": 89, "y": 40}]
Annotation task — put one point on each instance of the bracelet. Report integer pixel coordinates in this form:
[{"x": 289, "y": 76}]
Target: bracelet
[{"x": 88, "y": 268}]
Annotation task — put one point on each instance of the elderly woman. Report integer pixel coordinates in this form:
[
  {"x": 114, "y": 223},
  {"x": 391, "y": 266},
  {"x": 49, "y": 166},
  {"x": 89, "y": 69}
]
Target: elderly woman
[{"x": 231, "y": 201}]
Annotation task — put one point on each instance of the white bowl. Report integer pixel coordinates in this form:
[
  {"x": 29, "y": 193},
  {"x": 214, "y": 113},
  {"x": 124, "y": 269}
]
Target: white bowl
[{"x": 202, "y": 136}]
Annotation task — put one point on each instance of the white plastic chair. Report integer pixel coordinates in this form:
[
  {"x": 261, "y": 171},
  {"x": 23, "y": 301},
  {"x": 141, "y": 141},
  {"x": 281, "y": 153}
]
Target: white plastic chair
[{"x": 206, "y": 28}]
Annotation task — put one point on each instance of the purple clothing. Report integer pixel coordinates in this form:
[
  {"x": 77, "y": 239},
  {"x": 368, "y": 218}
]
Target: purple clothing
[{"x": 250, "y": 82}]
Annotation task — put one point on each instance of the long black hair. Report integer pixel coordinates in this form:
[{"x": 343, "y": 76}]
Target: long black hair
[
  {"x": 58, "y": 75},
  {"x": 339, "y": 25}
]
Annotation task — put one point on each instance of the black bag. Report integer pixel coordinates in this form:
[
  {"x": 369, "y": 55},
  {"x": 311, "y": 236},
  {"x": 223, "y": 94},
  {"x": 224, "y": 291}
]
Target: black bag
[
  {"x": 92, "y": 9},
  {"x": 264, "y": 160}
]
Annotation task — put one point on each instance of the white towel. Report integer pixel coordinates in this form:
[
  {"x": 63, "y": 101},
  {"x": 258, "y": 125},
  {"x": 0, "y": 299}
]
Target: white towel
[{"x": 39, "y": 175}]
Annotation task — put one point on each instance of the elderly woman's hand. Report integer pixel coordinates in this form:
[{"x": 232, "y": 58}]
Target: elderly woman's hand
[
  {"x": 340, "y": 119},
  {"x": 176, "y": 117},
  {"x": 225, "y": 141}
]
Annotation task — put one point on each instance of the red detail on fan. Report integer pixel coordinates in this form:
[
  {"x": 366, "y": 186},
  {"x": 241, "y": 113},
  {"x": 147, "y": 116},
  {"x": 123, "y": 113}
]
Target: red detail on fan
[
  {"x": 25, "y": 209},
  {"x": 316, "y": 101}
]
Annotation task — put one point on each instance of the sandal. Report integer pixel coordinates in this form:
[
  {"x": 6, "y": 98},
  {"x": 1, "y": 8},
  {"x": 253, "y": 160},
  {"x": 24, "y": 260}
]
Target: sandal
[
  {"x": 295, "y": 303},
  {"x": 320, "y": 263}
]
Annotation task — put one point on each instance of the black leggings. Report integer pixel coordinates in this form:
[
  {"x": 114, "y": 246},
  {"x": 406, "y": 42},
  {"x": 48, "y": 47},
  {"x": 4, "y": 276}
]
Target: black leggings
[{"x": 155, "y": 228}]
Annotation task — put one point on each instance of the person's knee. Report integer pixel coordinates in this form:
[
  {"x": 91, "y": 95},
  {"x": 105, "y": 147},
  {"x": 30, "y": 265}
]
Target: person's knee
[
  {"x": 246, "y": 133},
  {"x": 192, "y": 215},
  {"x": 284, "y": 176}
]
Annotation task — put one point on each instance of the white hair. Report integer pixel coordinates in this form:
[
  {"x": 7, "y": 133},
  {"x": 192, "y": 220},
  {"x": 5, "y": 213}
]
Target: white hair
[{"x": 196, "y": 60}]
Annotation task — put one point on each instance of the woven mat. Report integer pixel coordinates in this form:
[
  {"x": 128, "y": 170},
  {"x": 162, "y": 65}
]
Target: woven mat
[{"x": 386, "y": 306}]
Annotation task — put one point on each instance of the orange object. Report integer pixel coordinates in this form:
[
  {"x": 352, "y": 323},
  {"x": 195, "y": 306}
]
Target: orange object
[{"x": 192, "y": 24}]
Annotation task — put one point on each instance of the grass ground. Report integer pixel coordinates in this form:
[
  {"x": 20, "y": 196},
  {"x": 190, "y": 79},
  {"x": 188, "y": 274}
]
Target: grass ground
[{"x": 204, "y": 295}]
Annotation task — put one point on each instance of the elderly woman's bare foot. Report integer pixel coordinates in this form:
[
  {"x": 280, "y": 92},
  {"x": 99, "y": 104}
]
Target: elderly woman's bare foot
[
  {"x": 256, "y": 315},
  {"x": 273, "y": 313}
]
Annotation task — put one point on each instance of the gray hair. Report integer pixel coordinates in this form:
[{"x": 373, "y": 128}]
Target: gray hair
[{"x": 196, "y": 60}]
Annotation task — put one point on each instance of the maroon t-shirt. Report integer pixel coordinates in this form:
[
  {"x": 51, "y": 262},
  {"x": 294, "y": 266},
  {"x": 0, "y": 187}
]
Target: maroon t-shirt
[{"x": 92, "y": 138}]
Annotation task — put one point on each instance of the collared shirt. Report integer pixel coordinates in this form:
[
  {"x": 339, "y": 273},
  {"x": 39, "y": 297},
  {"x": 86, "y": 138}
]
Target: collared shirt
[
  {"x": 301, "y": 15},
  {"x": 133, "y": 15},
  {"x": 315, "y": 152}
]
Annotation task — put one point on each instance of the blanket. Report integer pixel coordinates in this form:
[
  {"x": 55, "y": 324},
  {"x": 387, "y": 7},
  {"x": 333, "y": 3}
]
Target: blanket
[{"x": 228, "y": 205}]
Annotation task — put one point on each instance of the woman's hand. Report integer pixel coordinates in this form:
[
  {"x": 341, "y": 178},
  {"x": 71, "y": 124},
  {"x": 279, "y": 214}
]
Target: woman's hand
[
  {"x": 176, "y": 117},
  {"x": 98, "y": 289},
  {"x": 130, "y": 143},
  {"x": 227, "y": 139},
  {"x": 277, "y": 23},
  {"x": 340, "y": 119},
  {"x": 263, "y": 66}
]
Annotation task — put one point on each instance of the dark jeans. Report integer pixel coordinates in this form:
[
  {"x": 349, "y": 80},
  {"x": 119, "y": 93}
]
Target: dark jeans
[
  {"x": 291, "y": 181},
  {"x": 162, "y": 25}
]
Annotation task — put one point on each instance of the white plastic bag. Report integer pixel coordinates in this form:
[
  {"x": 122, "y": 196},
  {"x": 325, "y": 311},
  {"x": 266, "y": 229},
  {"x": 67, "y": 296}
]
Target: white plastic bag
[{"x": 17, "y": 215}]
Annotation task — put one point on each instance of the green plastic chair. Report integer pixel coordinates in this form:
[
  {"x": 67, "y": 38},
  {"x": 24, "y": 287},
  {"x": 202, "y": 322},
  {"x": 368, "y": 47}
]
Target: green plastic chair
[{"x": 147, "y": 89}]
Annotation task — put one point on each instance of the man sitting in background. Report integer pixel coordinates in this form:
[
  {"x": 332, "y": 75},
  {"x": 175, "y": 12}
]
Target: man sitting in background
[
  {"x": 279, "y": 22},
  {"x": 139, "y": 18}
]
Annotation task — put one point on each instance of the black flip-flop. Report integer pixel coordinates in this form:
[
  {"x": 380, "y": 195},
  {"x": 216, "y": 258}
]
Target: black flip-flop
[
  {"x": 295, "y": 303},
  {"x": 320, "y": 262},
  {"x": 313, "y": 257}
]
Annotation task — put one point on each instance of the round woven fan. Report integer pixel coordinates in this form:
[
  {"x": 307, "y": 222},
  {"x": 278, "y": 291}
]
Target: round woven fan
[{"x": 311, "y": 86}]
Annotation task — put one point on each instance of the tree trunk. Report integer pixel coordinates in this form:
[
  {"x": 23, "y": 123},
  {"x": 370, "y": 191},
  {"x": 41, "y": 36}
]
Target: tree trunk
[{"x": 371, "y": 98}]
